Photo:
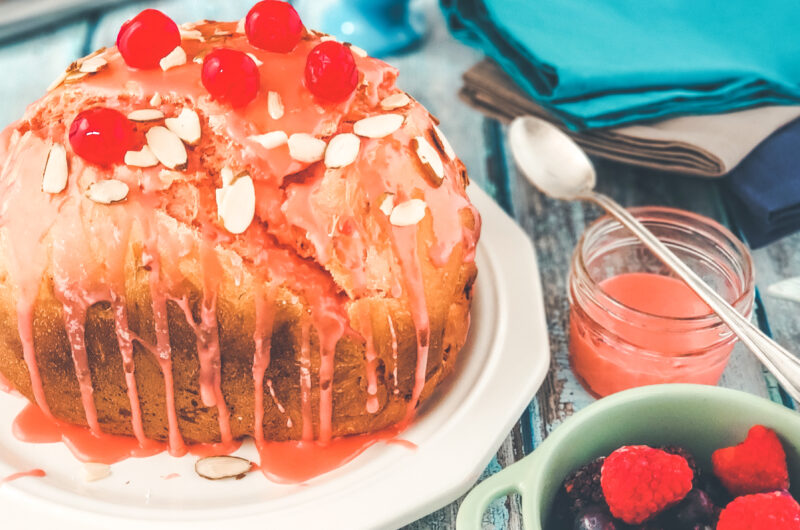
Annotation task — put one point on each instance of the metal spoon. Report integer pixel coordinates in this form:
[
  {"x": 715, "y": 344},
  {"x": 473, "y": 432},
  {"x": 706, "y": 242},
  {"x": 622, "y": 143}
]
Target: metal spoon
[{"x": 555, "y": 164}]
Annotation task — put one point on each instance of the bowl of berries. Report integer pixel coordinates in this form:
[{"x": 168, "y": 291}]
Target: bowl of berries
[{"x": 662, "y": 457}]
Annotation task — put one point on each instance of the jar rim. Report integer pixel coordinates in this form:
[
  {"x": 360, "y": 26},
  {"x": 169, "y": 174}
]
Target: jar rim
[{"x": 691, "y": 221}]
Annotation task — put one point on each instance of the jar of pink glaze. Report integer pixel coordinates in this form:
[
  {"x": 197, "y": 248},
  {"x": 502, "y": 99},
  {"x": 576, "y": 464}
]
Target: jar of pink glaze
[{"x": 632, "y": 323}]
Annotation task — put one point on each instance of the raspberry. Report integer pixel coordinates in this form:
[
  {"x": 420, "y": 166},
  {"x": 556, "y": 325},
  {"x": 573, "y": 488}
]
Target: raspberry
[
  {"x": 147, "y": 38},
  {"x": 274, "y": 26},
  {"x": 767, "y": 511},
  {"x": 639, "y": 482},
  {"x": 757, "y": 465},
  {"x": 101, "y": 135},
  {"x": 331, "y": 72},
  {"x": 583, "y": 485}
]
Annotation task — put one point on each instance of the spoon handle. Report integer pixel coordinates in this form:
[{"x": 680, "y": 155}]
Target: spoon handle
[{"x": 783, "y": 365}]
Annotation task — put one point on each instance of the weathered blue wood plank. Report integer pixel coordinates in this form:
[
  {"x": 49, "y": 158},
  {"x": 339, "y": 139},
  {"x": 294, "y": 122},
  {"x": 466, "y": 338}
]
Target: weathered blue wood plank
[{"x": 30, "y": 65}]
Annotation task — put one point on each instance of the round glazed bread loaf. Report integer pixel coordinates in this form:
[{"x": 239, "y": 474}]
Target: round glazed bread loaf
[{"x": 290, "y": 269}]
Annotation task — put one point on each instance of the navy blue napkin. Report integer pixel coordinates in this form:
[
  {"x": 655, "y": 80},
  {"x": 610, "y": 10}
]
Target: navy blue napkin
[{"x": 766, "y": 188}]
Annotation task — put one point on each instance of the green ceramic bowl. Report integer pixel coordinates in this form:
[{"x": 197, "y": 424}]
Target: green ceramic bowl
[{"x": 698, "y": 417}]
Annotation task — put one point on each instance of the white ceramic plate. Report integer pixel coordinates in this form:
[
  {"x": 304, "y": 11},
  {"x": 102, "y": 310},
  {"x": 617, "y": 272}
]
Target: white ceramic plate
[{"x": 457, "y": 433}]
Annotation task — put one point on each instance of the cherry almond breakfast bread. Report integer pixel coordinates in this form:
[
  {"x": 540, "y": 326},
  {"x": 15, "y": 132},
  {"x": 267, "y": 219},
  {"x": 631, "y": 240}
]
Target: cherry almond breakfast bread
[{"x": 222, "y": 230}]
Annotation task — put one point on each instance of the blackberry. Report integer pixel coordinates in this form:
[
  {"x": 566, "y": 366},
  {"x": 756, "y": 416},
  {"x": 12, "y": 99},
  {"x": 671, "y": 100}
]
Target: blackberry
[
  {"x": 583, "y": 486},
  {"x": 689, "y": 457}
]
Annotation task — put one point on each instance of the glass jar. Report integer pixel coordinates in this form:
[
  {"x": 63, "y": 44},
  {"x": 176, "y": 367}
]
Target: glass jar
[{"x": 614, "y": 346}]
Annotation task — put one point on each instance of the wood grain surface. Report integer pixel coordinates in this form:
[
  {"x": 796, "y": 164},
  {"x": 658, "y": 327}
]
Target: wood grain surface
[{"x": 432, "y": 74}]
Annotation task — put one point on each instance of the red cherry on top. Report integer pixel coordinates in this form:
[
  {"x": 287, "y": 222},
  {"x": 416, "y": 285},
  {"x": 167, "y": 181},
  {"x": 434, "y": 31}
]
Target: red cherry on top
[
  {"x": 231, "y": 76},
  {"x": 101, "y": 136},
  {"x": 331, "y": 72},
  {"x": 147, "y": 38},
  {"x": 274, "y": 26}
]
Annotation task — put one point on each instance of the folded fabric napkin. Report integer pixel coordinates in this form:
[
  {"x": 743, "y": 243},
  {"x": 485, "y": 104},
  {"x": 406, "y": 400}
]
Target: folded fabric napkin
[
  {"x": 767, "y": 188},
  {"x": 600, "y": 63},
  {"x": 708, "y": 146}
]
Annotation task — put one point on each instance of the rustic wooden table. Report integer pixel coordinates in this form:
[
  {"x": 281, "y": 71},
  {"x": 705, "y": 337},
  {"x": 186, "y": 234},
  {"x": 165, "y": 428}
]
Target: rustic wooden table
[{"x": 432, "y": 74}]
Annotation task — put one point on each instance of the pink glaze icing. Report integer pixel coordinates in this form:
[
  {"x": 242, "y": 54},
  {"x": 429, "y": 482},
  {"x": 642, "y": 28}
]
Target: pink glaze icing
[{"x": 85, "y": 272}]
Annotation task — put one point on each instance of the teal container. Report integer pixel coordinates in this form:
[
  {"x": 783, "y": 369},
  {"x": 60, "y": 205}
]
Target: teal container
[{"x": 698, "y": 417}]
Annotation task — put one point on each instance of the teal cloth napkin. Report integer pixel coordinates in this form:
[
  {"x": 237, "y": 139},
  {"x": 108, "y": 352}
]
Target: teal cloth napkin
[{"x": 600, "y": 63}]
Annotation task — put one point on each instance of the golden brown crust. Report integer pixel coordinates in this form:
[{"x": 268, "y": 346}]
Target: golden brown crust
[{"x": 448, "y": 290}]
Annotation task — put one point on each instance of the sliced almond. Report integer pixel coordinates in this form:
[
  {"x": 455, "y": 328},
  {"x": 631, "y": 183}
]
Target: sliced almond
[
  {"x": 378, "y": 126},
  {"x": 155, "y": 101},
  {"x": 408, "y": 213},
  {"x": 220, "y": 467},
  {"x": 342, "y": 150},
  {"x": 240, "y": 28},
  {"x": 93, "y": 471},
  {"x": 167, "y": 146},
  {"x": 387, "y": 204},
  {"x": 271, "y": 139},
  {"x": 306, "y": 148},
  {"x": 325, "y": 37},
  {"x": 186, "y": 126},
  {"x": 93, "y": 64},
  {"x": 255, "y": 59},
  {"x": 220, "y": 196},
  {"x": 54, "y": 179},
  {"x": 238, "y": 205},
  {"x": 441, "y": 141},
  {"x": 395, "y": 101},
  {"x": 361, "y": 52},
  {"x": 75, "y": 76},
  {"x": 227, "y": 176},
  {"x": 143, "y": 115},
  {"x": 191, "y": 34},
  {"x": 430, "y": 160},
  {"x": 274, "y": 105},
  {"x": 107, "y": 191},
  {"x": 176, "y": 57},
  {"x": 57, "y": 82},
  {"x": 143, "y": 158}
]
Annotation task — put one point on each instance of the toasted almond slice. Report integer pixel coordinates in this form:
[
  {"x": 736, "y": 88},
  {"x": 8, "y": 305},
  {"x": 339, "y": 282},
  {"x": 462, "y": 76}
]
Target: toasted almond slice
[
  {"x": 176, "y": 57},
  {"x": 75, "y": 76},
  {"x": 93, "y": 64},
  {"x": 430, "y": 159},
  {"x": 271, "y": 139},
  {"x": 378, "y": 126},
  {"x": 442, "y": 142},
  {"x": 274, "y": 105},
  {"x": 155, "y": 101},
  {"x": 57, "y": 82},
  {"x": 54, "y": 179},
  {"x": 107, "y": 191},
  {"x": 191, "y": 34},
  {"x": 387, "y": 204},
  {"x": 143, "y": 158},
  {"x": 240, "y": 26},
  {"x": 93, "y": 471},
  {"x": 342, "y": 150},
  {"x": 167, "y": 147},
  {"x": 361, "y": 52},
  {"x": 222, "y": 33},
  {"x": 324, "y": 38},
  {"x": 227, "y": 176},
  {"x": 220, "y": 196},
  {"x": 186, "y": 126},
  {"x": 255, "y": 59},
  {"x": 408, "y": 213},
  {"x": 306, "y": 148},
  {"x": 143, "y": 115},
  {"x": 395, "y": 101},
  {"x": 219, "y": 467},
  {"x": 238, "y": 205}
]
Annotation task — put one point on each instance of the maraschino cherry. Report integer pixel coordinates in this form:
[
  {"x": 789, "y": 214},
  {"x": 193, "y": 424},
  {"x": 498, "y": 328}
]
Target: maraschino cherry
[
  {"x": 101, "y": 136},
  {"x": 231, "y": 76},
  {"x": 331, "y": 72},
  {"x": 274, "y": 26},
  {"x": 147, "y": 38}
]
